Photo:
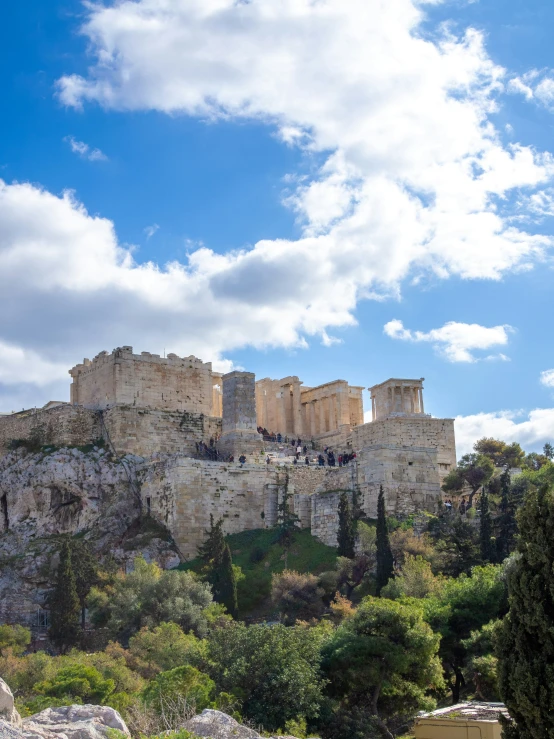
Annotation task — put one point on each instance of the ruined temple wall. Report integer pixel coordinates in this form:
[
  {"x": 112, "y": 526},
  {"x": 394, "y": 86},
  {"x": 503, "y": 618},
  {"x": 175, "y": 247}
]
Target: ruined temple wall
[
  {"x": 424, "y": 431},
  {"x": 146, "y": 432},
  {"x": 182, "y": 493},
  {"x": 144, "y": 380},
  {"x": 61, "y": 425}
]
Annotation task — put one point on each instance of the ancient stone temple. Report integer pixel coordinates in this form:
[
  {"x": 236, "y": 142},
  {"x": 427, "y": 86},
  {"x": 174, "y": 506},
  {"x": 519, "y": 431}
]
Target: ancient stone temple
[{"x": 183, "y": 422}]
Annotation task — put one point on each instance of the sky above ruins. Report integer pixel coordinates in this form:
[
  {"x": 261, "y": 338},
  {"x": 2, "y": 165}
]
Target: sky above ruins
[{"x": 352, "y": 189}]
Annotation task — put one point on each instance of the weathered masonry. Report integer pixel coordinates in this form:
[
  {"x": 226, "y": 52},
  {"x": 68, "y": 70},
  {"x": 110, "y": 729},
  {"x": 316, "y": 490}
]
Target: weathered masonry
[{"x": 169, "y": 411}]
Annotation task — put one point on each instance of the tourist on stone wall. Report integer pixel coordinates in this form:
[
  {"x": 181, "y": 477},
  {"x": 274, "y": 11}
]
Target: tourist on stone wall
[
  {"x": 321, "y": 460},
  {"x": 305, "y": 449},
  {"x": 242, "y": 459},
  {"x": 306, "y": 460},
  {"x": 340, "y": 460}
]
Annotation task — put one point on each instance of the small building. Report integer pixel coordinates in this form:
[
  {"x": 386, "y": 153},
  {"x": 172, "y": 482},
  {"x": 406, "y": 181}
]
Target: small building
[{"x": 463, "y": 721}]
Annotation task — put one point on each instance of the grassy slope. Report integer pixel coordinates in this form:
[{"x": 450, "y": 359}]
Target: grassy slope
[{"x": 307, "y": 554}]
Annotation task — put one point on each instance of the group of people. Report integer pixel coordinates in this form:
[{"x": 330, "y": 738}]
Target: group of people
[
  {"x": 342, "y": 459},
  {"x": 462, "y": 508}
]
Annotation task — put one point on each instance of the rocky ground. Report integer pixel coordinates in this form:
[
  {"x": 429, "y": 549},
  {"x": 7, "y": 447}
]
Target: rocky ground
[
  {"x": 87, "y": 493},
  {"x": 95, "y": 722}
]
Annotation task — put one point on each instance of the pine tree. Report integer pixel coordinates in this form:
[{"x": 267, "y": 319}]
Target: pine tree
[
  {"x": 507, "y": 525},
  {"x": 64, "y": 609},
  {"x": 346, "y": 537},
  {"x": 227, "y": 584},
  {"x": 485, "y": 530},
  {"x": 525, "y": 637},
  {"x": 385, "y": 562}
]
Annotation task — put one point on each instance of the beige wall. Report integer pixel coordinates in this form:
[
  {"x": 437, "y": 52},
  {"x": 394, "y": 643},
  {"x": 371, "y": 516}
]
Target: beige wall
[
  {"x": 144, "y": 380},
  {"x": 396, "y": 396},
  {"x": 60, "y": 425},
  {"x": 408, "y": 431}
]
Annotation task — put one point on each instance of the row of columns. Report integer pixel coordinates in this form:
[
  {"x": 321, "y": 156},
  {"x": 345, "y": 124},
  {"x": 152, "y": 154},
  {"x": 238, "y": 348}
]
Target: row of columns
[{"x": 400, "y": 399}]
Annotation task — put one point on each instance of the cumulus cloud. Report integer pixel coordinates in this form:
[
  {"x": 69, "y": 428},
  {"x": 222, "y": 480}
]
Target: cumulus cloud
[
  {"x": 531, "y": 431},
  {"x": 537, "y": 85},
  {"x": 547, "y": 378},
  {"x": 415, "y": 179},
  {"x": 19, "y": 365},
  {"x": 85, "y": 151},
  {"x": 457, "y": 342}
]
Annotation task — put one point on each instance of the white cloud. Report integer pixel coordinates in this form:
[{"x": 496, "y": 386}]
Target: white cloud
[
  {"x": 415, "y": 178},
  {"x": 532, "y": 432},
  {"x": 151, "y": 230},
  {"x": 547, "y": 378},
  {"x": 457, "y": 342},
  {"x": 537, "y": 85},
  {"x": 19, "y": 365},
  {"x": 85, "y": 151}
]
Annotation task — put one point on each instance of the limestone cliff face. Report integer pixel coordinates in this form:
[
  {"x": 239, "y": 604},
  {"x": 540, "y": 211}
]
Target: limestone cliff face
[{"x": 67, "y": 491}]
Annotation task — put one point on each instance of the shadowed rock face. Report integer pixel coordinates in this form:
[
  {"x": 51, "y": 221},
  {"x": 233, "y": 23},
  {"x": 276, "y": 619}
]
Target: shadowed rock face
[{"x": 66, "y": 491}]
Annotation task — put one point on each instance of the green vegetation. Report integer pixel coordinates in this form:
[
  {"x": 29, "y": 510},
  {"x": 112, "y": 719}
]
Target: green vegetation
[
  {"x": 259, "y": 555},
  {"x": 64, "y": 603},
  {"x": 346, "y": 537},
  {"x": 385, "y": 562}
]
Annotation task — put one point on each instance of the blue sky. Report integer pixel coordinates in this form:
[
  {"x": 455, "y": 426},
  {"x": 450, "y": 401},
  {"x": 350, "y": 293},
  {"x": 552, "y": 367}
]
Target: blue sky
[{"x": 313, "y": 170}]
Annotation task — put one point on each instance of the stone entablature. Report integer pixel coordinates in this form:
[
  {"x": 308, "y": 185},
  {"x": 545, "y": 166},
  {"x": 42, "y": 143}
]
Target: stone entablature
[{"x": 146, "y": 380}]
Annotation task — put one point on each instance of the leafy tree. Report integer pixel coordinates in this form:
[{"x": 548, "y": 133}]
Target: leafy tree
[
  {"x": 13, "y": 639},
  {"x": 273, "y": 670},
  {"x": 64, "y": 603},
  {"x": 548, "y": 451},
  {"x": 526, "y": 635},
  {"x": 380, "y": 663},
  {"x": 346, "y": 537},
  {"x": 218, "y": 566},
  {"x": 297, "y": 596},
  {"x": 486, "y": 542},
  {"x": 164, "y": 647},
  {"x": 482, "y": 664},
  {"x": 415, "y": 579},
  {"x": 181, "y": 685},
  {"x": 456, "y": 543},
  {"x": 78, "y": 683},
  {"x": 148, "y": 596},
  {"x": 500, "y": 453},
  {"x": 385, "y": 563},
  {"x": 473, "y": 470},
  {"x": 534, "y": 461},
  {"x": 464, "y": 604}
]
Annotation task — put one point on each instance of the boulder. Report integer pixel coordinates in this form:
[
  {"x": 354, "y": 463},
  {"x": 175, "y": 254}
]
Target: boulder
[
  {"x": 217, "y": 725},
  {"x": 73, "y": 722},
  {"x": 7, "y": 709}
]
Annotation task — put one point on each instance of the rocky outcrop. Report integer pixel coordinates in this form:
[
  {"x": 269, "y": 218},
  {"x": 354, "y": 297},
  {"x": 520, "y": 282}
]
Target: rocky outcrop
[
  {"x": 67, "y": 491},
  {"x": 7, "y": 709},
  {"x": 217, "y": 725},
  {"x": 68, "y": 722},
  {"x": 74, "y": 722}
]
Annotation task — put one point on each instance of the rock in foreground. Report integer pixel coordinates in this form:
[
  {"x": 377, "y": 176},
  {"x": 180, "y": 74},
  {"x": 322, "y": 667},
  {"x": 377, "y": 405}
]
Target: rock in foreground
[
  {"x": 217, "y": 725},
  {"x": 67, "y": 722}
]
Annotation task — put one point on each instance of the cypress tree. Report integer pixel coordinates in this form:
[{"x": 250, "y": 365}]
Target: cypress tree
[
  {"x": 485, "y": 529},
  {"x": 212, "y": 548},
  {"x": 65, "y": 608},
  {"x": 525, "y": 637},
  {"x": 85, "y": 568},
  {"x": 287, "y": 521},
  {"x": 385, "y": 561},
  {"x": 227, "y": 584},
  {"x": 346, "y": 536},
  {"x": 507, "y": 525}
]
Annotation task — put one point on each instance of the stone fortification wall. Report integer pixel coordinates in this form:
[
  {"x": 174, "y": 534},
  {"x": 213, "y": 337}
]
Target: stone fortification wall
[
  {"x": 182, "y": 493},
  {"x": 146, "y": 432},
  {"x": 324, "y": 522},
  {"x": 411, "y": 431},
  {"x": 145, "y": 381},
  {"x": 61, "y": 425},
  {"x": 409, "y": 476},
  {"x": 305, "y": 479}
]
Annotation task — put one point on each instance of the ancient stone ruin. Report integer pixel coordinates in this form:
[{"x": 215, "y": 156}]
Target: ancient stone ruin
[{"x": 183, "y": 430}]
